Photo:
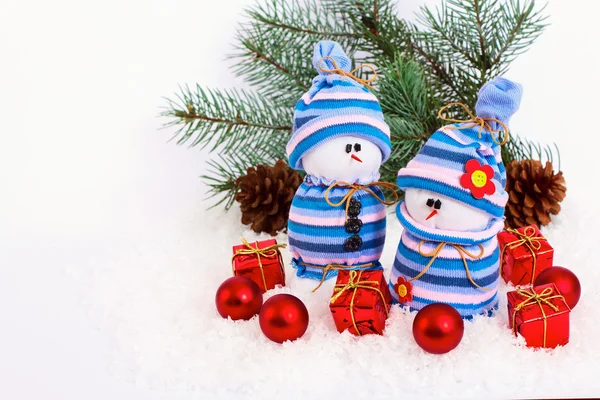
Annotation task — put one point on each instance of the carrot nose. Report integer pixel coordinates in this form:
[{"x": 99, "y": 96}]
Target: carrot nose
[
  {"x": 354, "y": 156},
  {"x": 431, "y": 215}
]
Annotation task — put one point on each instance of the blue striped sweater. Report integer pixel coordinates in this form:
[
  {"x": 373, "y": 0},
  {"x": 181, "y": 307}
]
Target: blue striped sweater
[
  {"x": 446, "y": 280},
  {"x": 317, "y": 232}
]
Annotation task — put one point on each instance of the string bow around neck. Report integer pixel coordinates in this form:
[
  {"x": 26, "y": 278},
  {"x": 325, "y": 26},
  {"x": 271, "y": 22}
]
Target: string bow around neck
[
  {"x": 499, "y": 136},
  {"x": 461, "y": 251},
  {"x": 352, "y": 74},
  {"x": 355, "y": 188}
]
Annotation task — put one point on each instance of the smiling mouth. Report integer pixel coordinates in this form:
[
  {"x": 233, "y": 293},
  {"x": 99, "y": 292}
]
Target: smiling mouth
[
  {"x": 355, "y": 157},
  {"x": 434, "y": 212}
]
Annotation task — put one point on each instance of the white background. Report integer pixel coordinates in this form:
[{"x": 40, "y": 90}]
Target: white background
[{"x": 102, "y": 225}]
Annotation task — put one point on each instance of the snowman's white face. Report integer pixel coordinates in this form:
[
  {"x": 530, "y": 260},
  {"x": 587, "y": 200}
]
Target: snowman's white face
[
  {"x": 343, "y": 158},
  {"x": 441, "y": 212}
]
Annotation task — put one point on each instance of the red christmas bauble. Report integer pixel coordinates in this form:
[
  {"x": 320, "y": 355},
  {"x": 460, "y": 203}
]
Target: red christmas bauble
[
  {"x": 283, "y": 317},
  {"x": 238, "y": 298},
  {"x": 438, "y": 328},
  {"x": 566, "y": 282}
]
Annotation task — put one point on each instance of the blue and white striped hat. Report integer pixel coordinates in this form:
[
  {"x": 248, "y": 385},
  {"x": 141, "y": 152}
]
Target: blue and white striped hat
[
  {"x": 335, "y": 105},
  {"x": 464, "y": 161}
]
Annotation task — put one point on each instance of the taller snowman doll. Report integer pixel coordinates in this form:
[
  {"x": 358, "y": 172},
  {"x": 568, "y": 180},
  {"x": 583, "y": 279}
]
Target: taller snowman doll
[
  {"x": 454, "y": 207},
  {"x": 337, "y": 217}
]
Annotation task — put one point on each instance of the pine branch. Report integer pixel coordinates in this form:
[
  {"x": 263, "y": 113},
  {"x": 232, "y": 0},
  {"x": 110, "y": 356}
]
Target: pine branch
[
  {"x": 228, "y": 119},
  {"x": 447, "y": 57},
  {"x": 478, "y": 38},
  {"x": 305, "y": 17},
  {"x": 222, "y": 175},
  {"x": 268, "y": 54},
  {"x": 518, "y": 148},
  {"x": 403, "y": 93}
]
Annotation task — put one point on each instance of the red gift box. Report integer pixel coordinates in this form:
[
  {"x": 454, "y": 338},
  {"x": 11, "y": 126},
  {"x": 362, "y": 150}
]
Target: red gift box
[
  {"x": 540, "y": 314},
  {"x": 525, "y": 253},
  {"x": 260, "y": 262},
  {"x": 361, "y": 302}
]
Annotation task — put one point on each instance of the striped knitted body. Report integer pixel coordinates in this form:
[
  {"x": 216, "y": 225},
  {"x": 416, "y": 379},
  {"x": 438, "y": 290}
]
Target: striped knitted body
[
  {"x": 317, "y": 231},
  {"x": 446, "y": 280}
]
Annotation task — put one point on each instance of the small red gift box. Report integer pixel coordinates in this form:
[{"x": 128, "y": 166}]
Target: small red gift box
[
  {"x": 260, "y": 262},
  {"x": 361, "y": 301},
  {"x": 540, "y": 314},
  {"x": 525, "y": 253}
]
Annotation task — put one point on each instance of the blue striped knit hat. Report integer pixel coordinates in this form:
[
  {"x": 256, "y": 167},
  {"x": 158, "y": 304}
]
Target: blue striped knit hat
[
  {"x": 460, "y": 162},
  {"x": 335, "y": 105}
]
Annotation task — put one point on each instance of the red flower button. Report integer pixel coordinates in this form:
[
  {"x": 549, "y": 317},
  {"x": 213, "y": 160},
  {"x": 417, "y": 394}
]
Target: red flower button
[
  {"x": 404, "y": 290},
  {"x": 478, "y": 179}
]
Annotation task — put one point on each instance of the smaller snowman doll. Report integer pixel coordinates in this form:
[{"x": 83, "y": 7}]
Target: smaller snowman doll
[
  {"x": 453, "y": 209},
  {"x": 337, "y": 217}
]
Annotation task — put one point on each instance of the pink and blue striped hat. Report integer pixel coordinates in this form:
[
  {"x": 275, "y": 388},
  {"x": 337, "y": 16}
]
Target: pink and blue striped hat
[
  {"x": 335, "y": 105},
  {"x": 463, "y": 161}
]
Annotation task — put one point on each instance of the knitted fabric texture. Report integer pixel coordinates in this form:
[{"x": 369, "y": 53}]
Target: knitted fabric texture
[
  {"x": 446, "y": 280},
  {"x": 335, "y": 105},
  {"x": 318, "y": 233},
  {"x": 440, "y": 164}
]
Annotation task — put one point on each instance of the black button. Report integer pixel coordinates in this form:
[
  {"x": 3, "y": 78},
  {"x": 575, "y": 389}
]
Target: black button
[
  {"x": 354, "y": 208},
  {"x": 353, "y": 243},
  {"x": 348, "y": 147},
  {"x": 429, "y": 202},
  {"x": 357, "y": 147},
  {"x": 438, "y": 204},
  {"x": 353, "y": 225}
]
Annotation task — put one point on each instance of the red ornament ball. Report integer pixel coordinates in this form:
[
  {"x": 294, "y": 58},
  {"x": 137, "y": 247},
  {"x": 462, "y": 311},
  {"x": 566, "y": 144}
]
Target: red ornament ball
[
  {"x": 566, "y": 282},
  {"x": 283, "y": 317},
  {"x": 238, "y": 298},
  {"x": 438, "y": 328}
]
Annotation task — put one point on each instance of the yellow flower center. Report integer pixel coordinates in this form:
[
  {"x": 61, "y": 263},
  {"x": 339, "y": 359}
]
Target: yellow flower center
[
  {"x": 402, "y": 290},
  {"x": 479, "y": 179}
]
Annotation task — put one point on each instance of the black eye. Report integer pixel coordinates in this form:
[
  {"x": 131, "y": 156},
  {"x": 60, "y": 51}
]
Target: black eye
[
  {"x": 348, "y": 147},
  {"x": 357, "y": 147},
  {"x": 438, "y": 204},
  {"x": 429, "y": 202}
]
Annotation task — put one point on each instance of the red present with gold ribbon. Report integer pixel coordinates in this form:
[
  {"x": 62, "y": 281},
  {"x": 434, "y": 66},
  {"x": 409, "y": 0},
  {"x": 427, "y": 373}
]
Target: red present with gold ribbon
[
  {"x": 540, "y": 314},
  {"x": 260, "y": 262},
  {"x": 525, "y": 253},
  {"x": 361, "y": 301}
]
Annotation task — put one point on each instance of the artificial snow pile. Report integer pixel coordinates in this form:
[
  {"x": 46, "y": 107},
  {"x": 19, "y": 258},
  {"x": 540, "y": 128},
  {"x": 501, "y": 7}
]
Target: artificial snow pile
[{"x": 156, "y": 303}]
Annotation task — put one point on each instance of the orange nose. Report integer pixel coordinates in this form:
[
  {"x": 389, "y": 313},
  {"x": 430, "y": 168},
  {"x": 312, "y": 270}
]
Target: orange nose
[
  {"x": 431, "y": 215},
  {"x": 354, "y": 156}
]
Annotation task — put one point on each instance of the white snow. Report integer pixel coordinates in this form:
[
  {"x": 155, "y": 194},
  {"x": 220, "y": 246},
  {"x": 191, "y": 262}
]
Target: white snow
[{"x": 109, "y": 260}]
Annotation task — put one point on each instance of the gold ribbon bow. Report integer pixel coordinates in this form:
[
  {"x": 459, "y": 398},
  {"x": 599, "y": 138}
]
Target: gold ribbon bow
[
  {"x": 354, "y": 283},
  {"x": 335, "y": 267},
  {"x": 351, "y": 74},
  {"x": 530, "y": 241},
  {"x": 461, "y": 250},
  {"x": 483, "y": 123},
  {"x": 532, "y": 298},
  {"x": 271, "y": 251},
  {"x": 355, "y": 188}
]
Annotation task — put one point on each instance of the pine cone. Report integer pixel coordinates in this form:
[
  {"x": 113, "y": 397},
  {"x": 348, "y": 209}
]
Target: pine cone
[
  {"x": 534, "y": 192},
  {"x": 265, "y": 196}
]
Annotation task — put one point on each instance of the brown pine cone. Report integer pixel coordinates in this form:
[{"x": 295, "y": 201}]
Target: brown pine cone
[
  {"x": 534, "y": 192},
  {"x": 265, "y": 196}
]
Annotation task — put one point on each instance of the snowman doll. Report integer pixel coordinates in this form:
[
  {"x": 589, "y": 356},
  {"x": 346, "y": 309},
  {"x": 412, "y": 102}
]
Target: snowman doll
[
  {"x": 337, "y": 217},
  {"x": 454, "y": 208}
]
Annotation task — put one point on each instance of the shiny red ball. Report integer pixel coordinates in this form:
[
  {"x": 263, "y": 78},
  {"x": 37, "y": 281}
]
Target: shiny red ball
[
  {"x": 283, "y": 317},
  {"x": 438, "y": 328},
  {"x": 566, "y": 282},
  {"x": 238, "y": 298}
]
